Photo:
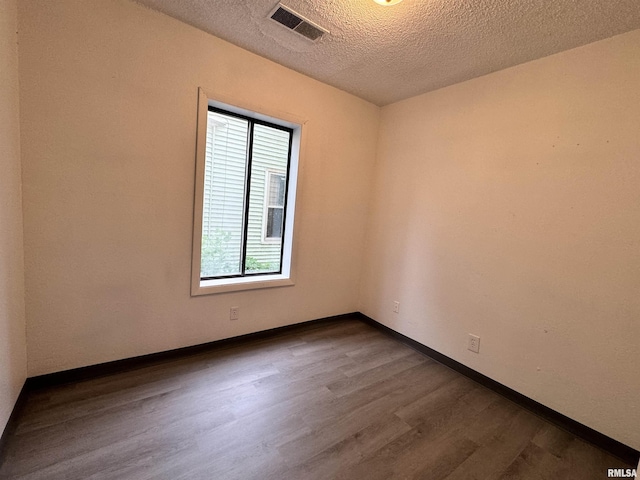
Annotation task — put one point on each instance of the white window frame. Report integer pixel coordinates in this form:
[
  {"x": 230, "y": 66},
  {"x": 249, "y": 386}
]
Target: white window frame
[
  {"x": 287, "y": 275},
  {"x": 265, "y": 211}
]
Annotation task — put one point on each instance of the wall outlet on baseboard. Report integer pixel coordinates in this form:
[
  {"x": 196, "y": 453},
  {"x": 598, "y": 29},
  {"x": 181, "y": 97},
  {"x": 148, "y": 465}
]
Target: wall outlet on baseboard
[
  {"x": 396, "y": 307},
  {"x": 474, "y": 343},
  {"x": 234, "y": 313}
]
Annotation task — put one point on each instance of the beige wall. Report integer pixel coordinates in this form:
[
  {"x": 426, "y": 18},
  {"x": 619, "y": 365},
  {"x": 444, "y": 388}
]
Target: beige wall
[
  {"x": 109, "y": 100},
  {"x": 13, "y": 362},
  {"x": 509, "y": 207}
]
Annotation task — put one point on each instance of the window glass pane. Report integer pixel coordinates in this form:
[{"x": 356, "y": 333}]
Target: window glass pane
[
  {"x": 224, "y": 194},
  {"x": 276, "y": 190},
  {"x": 274, "y": 222},
  {"x": 270, "y": 154}
]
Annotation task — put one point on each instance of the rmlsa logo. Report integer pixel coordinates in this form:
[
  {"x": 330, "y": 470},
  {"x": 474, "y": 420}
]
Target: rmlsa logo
[{"x": 621, "y": 472}]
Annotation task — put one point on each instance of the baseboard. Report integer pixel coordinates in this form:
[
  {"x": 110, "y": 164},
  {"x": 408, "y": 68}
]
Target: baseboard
[
  {"x": 12, "y": 423},
  {"x": 132, "y": 363},
  {"x": 609, "y": 444},
  {"x": 127, "y": 364},
  {"x": 616, "y": 448}
]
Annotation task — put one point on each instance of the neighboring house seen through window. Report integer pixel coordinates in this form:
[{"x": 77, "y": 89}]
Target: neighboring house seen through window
[{"x": 240, "y": 151}]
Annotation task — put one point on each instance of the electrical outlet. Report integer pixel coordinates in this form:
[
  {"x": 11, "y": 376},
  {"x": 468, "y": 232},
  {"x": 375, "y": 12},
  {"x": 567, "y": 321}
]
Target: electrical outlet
[
  {"x": 396, "y": 307},
  {"x": 234, "y": 313},
  {"x": 474, "y": 343}
]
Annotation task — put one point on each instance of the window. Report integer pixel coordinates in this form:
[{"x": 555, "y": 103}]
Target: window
[
  {"x": 274, "y": 206},
  {"x": 246, "y": 174}
]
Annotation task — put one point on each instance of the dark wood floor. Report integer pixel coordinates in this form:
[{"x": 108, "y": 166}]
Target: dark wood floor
[{"x": 335, "y": 400}]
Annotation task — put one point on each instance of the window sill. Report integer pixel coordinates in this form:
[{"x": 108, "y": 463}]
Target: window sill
[{"x": 224, "y": 285}]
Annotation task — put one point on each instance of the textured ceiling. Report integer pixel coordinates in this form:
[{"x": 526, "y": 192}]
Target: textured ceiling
[{"x": 385, "y": 54}]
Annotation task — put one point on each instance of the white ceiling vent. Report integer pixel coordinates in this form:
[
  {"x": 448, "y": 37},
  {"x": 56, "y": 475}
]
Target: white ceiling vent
[{"x": 296, "y": 22}]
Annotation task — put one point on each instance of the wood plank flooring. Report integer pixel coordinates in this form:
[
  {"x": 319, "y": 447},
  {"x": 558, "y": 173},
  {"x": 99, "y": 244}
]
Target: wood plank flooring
[{"x": 336, "y": 400}]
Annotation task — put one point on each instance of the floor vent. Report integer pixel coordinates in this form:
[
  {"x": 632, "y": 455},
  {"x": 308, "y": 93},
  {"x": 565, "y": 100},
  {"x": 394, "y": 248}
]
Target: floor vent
[{"x": 296, "y": 22}]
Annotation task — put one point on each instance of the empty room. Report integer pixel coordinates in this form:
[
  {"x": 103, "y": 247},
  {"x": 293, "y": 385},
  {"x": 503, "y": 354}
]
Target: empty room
[{"x": 333, "y": 239}]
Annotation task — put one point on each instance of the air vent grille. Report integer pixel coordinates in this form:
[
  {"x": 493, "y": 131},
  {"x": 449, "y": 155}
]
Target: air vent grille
[
  {"x": 286, "y": 18},
  {"x": 296, "y": 22}
]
